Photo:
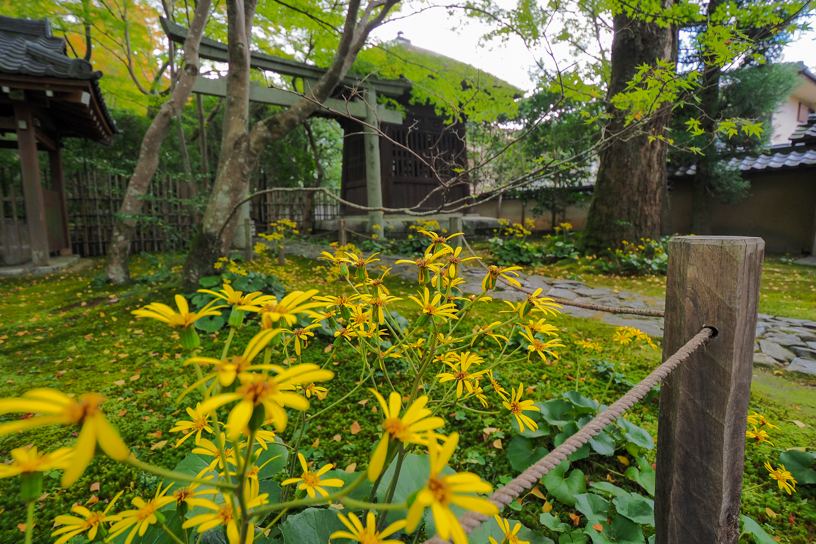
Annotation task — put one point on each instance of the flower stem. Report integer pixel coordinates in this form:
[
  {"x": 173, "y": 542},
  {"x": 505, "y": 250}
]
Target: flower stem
[
  {"x": 172, "y": 475},
  {"x": 354, "y": 503},
  {"x": 389, "y": 495},
  {"x": 171, "y": 534},
  {"x": 29, "y": 532},
  {"x": 227, "y": 343},
  {"x": 263, "y": 511}
]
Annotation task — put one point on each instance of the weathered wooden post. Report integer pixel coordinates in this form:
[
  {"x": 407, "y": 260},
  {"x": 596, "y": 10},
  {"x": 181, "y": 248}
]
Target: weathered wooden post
[
  {"x": 456, "y": 225},
  {"x": 371, "y": 139},
  {"x": 341, "y": 233},
  {"x": 712, "y": 281}
]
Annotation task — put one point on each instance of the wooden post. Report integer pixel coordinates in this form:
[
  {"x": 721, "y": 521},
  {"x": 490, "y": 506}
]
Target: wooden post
[
  {"x": 341, "y": 235},
  {"x": 32, "y": 186},
  {"x": 712, "y": 281},
  {"x": 58, "y": 184},
  {"x": 372, "y": 162},
  {"x": 456, "y": 225}
]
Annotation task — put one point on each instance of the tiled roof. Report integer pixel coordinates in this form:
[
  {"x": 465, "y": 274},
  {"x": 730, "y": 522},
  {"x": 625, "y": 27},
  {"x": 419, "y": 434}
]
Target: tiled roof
[
  {"x": 806, "y": 132},
  {"x": 28, "y": 48},
  {"x": 774, "y": 161}
]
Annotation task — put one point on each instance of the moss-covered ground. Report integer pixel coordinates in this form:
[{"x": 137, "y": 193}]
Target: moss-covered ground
[{"x": 77, "y": 334}]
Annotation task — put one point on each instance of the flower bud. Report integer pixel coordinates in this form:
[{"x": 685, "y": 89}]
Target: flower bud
[
  {"x": 236, "y": 318},
  {"x": 189, "y": 338},
  {"x": 32, "y": 486},
  {"x": 258, "y": 418}
]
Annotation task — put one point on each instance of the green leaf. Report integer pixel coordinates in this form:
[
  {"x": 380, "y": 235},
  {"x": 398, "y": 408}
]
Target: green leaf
[
  {"x": 522, "y": 453},
  {"x": 273, "y": 459},
  {"x": 543, "y": 427},
  {"x": 637, "y": 435},
  {"x": 361, "y": 492},
  {"x": 799, "y": 464},
  {"x": 208, "y": 282},
  {"x": 611, "y": 489},
  {"x": 555, "y": 412},
  {"x": 756, "y": 531},
  {"x": 593, "y": 507},
  {"x": 210, "y": 323},
  {"x": 312, "y": 526},
  {"x": 636, "y": 508},
  {"x": 603, "y": 444},
  {"x": 581, "y": 403},
  {"x": 553, "y": 523},
  {"x": 645, "y": 477},
  {"x": 620, "y": 531},
  {"x": 491, "y": 528},
  {"x": 575, "y": 537},
  {"x": 272, "y": 488},
  {"x": 564, "y": 489}
]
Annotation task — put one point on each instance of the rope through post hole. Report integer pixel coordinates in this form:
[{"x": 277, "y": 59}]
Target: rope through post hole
[
  {"x": 527, "y": 479},
  {"x": 585, "y": 305}
]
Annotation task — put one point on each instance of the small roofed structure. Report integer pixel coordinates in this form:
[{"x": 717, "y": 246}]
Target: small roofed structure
[{"x": 45, "y": 96}]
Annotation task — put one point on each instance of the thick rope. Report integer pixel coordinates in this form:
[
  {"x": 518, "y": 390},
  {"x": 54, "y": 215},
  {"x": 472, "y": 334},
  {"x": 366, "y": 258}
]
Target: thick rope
[
  {"x": 530, "y": 477},
  {"x": 585, "y": 305}
]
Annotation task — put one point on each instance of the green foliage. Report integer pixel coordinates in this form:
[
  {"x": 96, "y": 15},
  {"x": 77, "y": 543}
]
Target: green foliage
[
  {"x": 647, "y": 257},
  {"x": 801, "y": 465}
]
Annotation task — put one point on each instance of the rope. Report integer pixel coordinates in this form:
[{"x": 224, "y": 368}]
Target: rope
[
  {"x": 585, "y": 305},
  {"x": 527, "y": 479}
]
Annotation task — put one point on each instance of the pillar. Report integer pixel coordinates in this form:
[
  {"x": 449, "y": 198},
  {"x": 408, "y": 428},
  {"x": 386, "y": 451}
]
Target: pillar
[
  {"x": 32, "y": 187},
  {"x": 372, "y": 160}
]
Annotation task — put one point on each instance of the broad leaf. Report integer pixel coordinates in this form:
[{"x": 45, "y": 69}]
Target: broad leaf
[
  {"x": 800, "y": 464},
  {"x": 620, "y": 531},
  {"x": 603, "y": 444},
  {"x": 636, "y": 508},
  {"x": 756, "y": 531},
  {"x": 556, "y": 412},
  {"x": 208, "y": 282},
  {"x": 581, "y": 403},
  {"x": 312, "y": 526},
  {"x": 553, "y": 523},
  {"x": 210, "y": 323},
  {"x": 611, "y": 489},
  {"x": 645, "y": 477},
  {"x": 564, "y": 488},
  {"x": 636, "y": 435},
  {"x": 543, "y": 427},
  {"x": 491, "y": 528},
  {"x": 593, "y": 507},
  {"x": 273, "y": 459},
  {"x": 522, "y": 453},
  {"x": 361, "y": 492}
]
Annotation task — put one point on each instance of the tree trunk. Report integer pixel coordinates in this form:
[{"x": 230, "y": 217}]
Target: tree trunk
[
  {"x": 116, "y": 268},
  {"x": 240, "y": 151},
  {"x": 628, "y": 199},
  {"x": 710, "y": 107}
]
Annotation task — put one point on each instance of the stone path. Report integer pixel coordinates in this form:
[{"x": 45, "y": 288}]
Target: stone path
[{"x": 781, "y": 342}]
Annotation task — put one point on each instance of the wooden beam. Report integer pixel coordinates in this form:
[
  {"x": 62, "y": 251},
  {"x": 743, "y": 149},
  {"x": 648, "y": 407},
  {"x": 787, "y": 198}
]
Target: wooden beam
[
  {"x": 44, "y": 140},
  {"x": 32, "y": 187},
  {"x": 712, "y": 281},
  {"x": 8, "y": 124},
  {"x": 279, "y": 97}
]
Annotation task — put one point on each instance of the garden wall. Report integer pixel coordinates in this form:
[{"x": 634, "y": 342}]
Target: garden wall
[{"x": 516, "y": 211}]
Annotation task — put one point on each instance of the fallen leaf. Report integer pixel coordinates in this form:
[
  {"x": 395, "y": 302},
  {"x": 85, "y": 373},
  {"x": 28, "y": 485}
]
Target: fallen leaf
[
  {"x": 575, "y": 519},
  {"x": 158, "y": 445},
  {"x": 120, "y": 383},
  {"x": 351, "y": 468},
  {"x": 497, "y": 444},
  {"x": 624, "y": 460},
  {"x": 157, "y": 434},
  {"x": 120, "y": 414},
  {"x": 135, "y": 377},
  {"x": 799, "y": 424},
  {"x": 327, "y": 349},
  {"x": 22, "y": 526},
  {"x": 770, "y": 512},
  {"x": 94, "y": 487},
  {"x": 547, "y": 507},
  {"x": 337, "y": 438},
  {"x": 535, "y": 491},
  {"x": 355, "y": 428},
  {"x": 93, "y": 500},
  {"x": 316, "y": 443},
  {"x": 598, "y": 527},
  {"x": 337, "y": 505},
  {"x": 43, "y": 496},
  {"x": 363, "y": 402}
]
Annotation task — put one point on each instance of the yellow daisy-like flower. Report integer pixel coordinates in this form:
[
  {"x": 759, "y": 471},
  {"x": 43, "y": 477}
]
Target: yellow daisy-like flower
[
  {"x": 377, "y": 283},
  {"x": 300, "y": 337},
  {"x": 231, "y": 296},
  {"x": 367, "y": 534},
  {"x": 142, "y": 517},
  {"x": 427, "y": 263},
  {"x": 378, "y": 305},
  {"x": 782, "y": 477},
  {"x": 510, "y": 536},
  {"x": 361, "y": 264},
  {"x": 542, "y": 327},
  {"x": 622, "y": 336},
  {"x": 496, "y": 272},
  {"x": 433, "y": 307},
  {"x": 760, "y": 436},
  {"x": 227, "y": 370},
  {"x": 537, "y": 346},
  {"x": 460, "y": 372},
  {"x": 28, "y": 461},
  {"x": 198, "y": 422},
  {"x": 454, "y": 261},
  {"x": 759, "y": 419},
  {"x": 57, "y": 408},
  {"x": 517, "y": 407},
  {"x": 90, "y": 522},
  {"x": 440, "y": 492},
  {"x": 481, "y": 331},
  {"x": 497, "y": 387},
  {"x": 403, "y": 429},
  {"x": 287, "y": 309},
  {"x": 191, "y": 496},
  {"x": 210, "y": 449},
  {"x": 183, "y": 318},
  {"x": 313, "y": 390},
  {"x": 226, "y": 514},
  {"x": 274, "y": 393},
  {"x": 311, "y": 482},
  {"x": 589, "y": 345}
]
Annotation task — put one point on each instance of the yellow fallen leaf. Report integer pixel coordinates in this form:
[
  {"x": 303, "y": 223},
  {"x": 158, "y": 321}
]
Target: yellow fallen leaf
[
  {"x": 337, "y": 438},
  {"x": 316, "y": 443},
  {"x": 120, "y": 383},
  {"x": 93, "y": 500},
  {"x": 355, "y": 428},
  {"x": 22, "y": 526},
  {"x": 94, "y": 487},
  {"x": 363, "y": 402},
  {"x": 770, "y": 512},
  {"x": 598, "y": 527},
  {"x": 327, "y": 349},
  {"x": 351, "y": 468},
  {"x": 135, "y": 377},
  {"x": 158, "y": 445},
  {"x": 624, "y": 460},
  {"x": 337, "y": 505},
  {"x": 575, "y": 519},
  {"x": 535, "y": 491},
  {"x": 799, "y": 424},
  {"x": 547, "y": 507},
  {"x": 497, "y": 444}
]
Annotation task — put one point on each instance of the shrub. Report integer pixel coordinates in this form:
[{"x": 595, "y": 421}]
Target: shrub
[{"x": 647, "y": 257}]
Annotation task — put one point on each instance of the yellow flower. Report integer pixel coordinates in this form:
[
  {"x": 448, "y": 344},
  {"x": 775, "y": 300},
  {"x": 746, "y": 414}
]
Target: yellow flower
[
  {"x": 540, "y": 347},
  {"x": 437, "y": 239},
  {"x": 460, "y": 373},
  {"x": 480, "y": 331},
  {"x": 311, "y": 482},
  {"x": 225, "y": 514},
  {"x": 377, "y": 283},
  {"x": 378, "y": 304},
  {"x": 433, "y": 308},
  {"x": 426, "y": 263},
  {"x": 782, "y": 477},
  {"x": 588, "y": 345},
  {"x": 496, "y": 272},
  {"x": 367, "y": 534},
  {"x": 454, "y": 261},
  {"x": 191, "y": 495},
  {"x": 28, "y": 461},
  {"x": 536, "y": 303},
  {"x": 210, "y": 449},
  {"x": 273, "y": 393},
  {"x": 287, "y": 309},
  {"x": 227, "y": 370},
  {"x": 183, "y": 318},
  {"x": 517, "y": 407},
  {"x": 300, "y": 337},
  {"x": 622, "y": 336},
  {"x": 90, "y": 521},
  {"x": 497, "y": 387},
  {"x": 442, "y": 491},
  {"x": 198, "y": 423},
  {"x": 759, "y": 435},
  {"x": 143, "y": 517},
  {"x": 541, "y": 327},
  {"x": 312, "y": 389},
  {"x": 510, "y": 537},
  {"x": 59, "y": 409},
  {"x": 403, "y": 429},
  {"x": 231, "y": 296},
  {"x": 361, "y": 263},
  {"x": 759, "y": 419}
]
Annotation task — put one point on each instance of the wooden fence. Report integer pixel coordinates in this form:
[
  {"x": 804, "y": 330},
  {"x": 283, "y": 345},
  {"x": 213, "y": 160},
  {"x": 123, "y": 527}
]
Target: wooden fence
[{"x": 271, "y": 207}]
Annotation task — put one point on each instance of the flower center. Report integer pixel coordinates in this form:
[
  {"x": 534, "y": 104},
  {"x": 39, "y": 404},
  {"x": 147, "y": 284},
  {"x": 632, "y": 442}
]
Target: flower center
[
  {"x": 515, "y": 408},
  {"x": 311, "y": 479},
  {"x": 182, "y": 495},
  {"x": 257, "y": 391},
  {"x": 394, "y": 427},
  {"x": 226, "y": 514},
  {"x": 93, "y": 520},
  {"x": 461, "y": 376},
  {"x": 146, "y": 511},
  {"x": 440, "y": 491}
]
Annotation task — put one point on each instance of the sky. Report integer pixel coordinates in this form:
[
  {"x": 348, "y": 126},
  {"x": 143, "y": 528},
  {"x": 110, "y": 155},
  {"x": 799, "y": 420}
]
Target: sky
[{"x": 458, "y": 37}]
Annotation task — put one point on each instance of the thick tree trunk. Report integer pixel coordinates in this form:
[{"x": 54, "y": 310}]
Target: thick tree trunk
[
  {"x": 240, "y": 150},
  {"x": 627, "y": 203},
  {"x": 116, "y": 268}
]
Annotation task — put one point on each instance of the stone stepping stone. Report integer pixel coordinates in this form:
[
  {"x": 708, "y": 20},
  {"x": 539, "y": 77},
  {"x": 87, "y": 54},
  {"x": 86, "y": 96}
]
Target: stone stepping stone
[
  {"x": 803, "y": 366},
  {"x": 776, "y": 351}
]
